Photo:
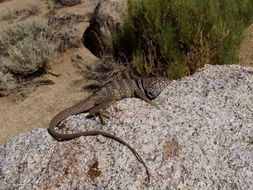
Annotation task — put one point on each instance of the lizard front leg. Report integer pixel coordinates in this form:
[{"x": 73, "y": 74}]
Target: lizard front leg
[{"x": 99, "y": 109}]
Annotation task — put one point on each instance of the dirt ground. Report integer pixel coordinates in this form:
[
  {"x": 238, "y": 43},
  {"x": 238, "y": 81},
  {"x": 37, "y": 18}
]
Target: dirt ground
[{"x": 36, "y": 111}]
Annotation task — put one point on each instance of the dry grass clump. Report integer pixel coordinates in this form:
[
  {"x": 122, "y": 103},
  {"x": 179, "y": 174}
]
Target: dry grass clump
[
  {"x": 23, "y": 12},
  {"x": 64, "y": 32},
  {"x": 69, "y": 38}
]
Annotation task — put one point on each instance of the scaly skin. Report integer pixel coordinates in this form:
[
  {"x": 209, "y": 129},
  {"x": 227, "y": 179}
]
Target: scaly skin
[{"x": 146, "y": 89}]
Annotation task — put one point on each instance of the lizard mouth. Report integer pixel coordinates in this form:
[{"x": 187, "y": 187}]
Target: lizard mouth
[
  {"x": 149, "y": 91},
  {"x": 154, "y": 86}
]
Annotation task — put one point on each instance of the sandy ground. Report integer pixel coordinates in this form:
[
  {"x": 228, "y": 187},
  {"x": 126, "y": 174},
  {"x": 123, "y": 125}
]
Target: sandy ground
[
  {"x": 46, "y": 101},
  {"x": 41, "y": 105}
]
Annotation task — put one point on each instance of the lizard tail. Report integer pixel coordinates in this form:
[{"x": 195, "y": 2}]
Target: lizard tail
[
  {"x": 104, "y": 134},
  {"x": 111, "y": 136},
  {"x": 63, "y": 137},
  {"x": 73, "y": 110},
  {"x": 79, "y": 108}
]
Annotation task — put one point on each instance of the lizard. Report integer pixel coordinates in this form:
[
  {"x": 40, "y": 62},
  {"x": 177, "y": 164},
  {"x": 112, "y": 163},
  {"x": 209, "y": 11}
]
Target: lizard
[{"x": 146, "y": 89}]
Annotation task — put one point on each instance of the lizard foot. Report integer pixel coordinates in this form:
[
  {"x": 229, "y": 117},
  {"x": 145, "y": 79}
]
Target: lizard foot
[
  {"x": 152, "y": 103},
  {"x": 101, "y": 114},
  {"x": 106, "y": 114}
]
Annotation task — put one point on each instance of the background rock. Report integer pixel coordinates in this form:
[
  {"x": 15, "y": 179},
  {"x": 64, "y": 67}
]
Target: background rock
[
  {"x": 200, "y": 136},
  {"x": 108, "y": 16}
]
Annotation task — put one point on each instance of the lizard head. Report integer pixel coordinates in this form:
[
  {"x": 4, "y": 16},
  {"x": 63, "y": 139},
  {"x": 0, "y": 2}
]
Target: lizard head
[{"x": 154, "y": 86}]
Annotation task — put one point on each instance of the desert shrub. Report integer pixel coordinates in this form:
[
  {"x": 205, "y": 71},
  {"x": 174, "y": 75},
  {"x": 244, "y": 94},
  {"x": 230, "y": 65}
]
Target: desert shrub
[
  {"x": 29, "y": 47},
  {"x": 7, "y": 83},
  {"x": 26, "y": 48},
  {"x": 178, "y": 37},
  {"x": 28, "y": 56},
  {"x": 68, "y": 38},
  {"x": 27, "y": 29}
]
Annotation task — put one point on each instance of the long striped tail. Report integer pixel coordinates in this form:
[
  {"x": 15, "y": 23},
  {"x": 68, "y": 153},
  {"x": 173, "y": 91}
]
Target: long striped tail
[
  {"x": 81, "y": 107},
  {"x": 86, "y": 105}
]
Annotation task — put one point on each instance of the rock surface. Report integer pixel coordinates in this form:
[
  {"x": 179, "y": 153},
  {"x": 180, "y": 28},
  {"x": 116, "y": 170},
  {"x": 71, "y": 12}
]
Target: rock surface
[
  {"x": 107, "y": 17},
  {"x": 199, "y": 136}
]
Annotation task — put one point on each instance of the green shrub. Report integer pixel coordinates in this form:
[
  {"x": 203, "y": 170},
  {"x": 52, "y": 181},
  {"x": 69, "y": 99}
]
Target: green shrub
[{"x": 178, "y": 37}]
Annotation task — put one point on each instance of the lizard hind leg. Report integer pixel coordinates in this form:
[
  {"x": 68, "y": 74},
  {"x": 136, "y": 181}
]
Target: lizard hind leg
[{"x": 99, "y": 110}]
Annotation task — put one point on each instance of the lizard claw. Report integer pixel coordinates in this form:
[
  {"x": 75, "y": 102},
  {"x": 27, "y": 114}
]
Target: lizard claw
[
  {"x": 152, "y": 103},
  {"x": 102, "y": 115},
  {"x": 106, "y": 114}
]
